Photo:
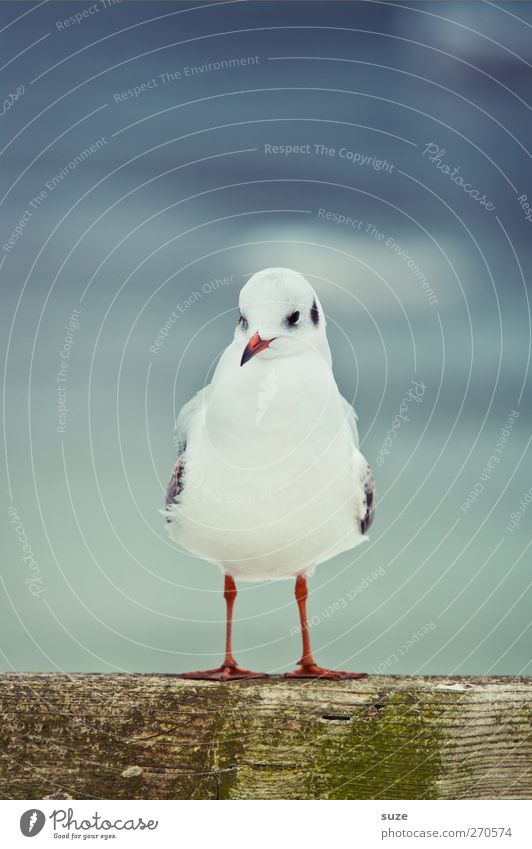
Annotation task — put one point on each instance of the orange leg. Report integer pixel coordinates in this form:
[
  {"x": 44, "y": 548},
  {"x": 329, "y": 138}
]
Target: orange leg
[
  {"x": 308, "y": 667},
  {"x": 228, "y": 671}
]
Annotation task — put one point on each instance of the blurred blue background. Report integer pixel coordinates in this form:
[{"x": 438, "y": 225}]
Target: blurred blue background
[{"x": 133, "y": 188}]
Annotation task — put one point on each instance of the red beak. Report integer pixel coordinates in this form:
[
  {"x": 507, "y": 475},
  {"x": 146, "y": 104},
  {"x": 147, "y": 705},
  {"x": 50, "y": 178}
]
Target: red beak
[{"x": 254, "y": 346}]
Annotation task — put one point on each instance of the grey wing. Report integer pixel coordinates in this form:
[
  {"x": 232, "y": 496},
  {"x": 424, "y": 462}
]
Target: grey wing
[
  {"x": 182, "y": 426},
  {"x": 368, "y": 478},
  {"x": 368, "y": 482},
  {"x": 186, "y": 414},
  {"x": 351, "y": 417}
]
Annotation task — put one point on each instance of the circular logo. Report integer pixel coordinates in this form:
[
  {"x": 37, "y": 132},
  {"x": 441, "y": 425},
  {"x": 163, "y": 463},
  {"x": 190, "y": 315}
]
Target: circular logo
[{"x": 32, "y": 822}]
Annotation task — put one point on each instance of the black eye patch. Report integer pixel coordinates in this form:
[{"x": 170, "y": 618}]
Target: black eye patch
[
  {"x": 243, "y": 322},
  {"x": 315, "y": 313},
  {"x": 293, "y": 318}
]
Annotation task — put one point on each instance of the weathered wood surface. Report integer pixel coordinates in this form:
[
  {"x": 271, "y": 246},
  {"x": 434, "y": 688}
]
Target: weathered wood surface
[{"x": 160, "y": 737}]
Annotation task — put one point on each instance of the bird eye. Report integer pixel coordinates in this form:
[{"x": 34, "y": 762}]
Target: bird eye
[
  {"x": 243, "y": 322},
  {"x": 293, "y": 319}
]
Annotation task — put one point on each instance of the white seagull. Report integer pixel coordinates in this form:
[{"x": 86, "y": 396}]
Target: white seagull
[{"x": 269, "y": 480}]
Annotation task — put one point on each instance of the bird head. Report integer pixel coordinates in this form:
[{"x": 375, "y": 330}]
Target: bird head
[{"x": 280, "y": 315}]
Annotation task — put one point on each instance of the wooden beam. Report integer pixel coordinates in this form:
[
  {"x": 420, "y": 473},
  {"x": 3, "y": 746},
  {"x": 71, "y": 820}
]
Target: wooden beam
[{"x": 160, "y": 737}]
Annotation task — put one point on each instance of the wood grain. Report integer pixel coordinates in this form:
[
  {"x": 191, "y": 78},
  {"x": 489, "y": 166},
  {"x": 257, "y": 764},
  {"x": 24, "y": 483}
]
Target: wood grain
[{"x": 160, "y": 737}]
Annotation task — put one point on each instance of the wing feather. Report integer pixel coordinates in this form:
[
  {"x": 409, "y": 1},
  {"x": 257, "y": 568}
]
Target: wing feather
[
  {"x": 175, "y": 485},
  {"x": 182, "y": 427},
  {"x": 368, "y": 482}
]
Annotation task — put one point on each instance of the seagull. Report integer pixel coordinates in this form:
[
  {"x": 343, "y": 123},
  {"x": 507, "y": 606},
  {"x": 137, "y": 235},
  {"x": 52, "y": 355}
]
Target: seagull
[{"x": 269, "y": 480}]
